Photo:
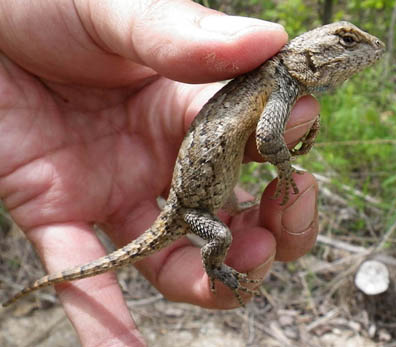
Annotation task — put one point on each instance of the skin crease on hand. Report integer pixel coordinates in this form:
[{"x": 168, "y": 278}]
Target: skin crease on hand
[{"x": 89, "y": 133}]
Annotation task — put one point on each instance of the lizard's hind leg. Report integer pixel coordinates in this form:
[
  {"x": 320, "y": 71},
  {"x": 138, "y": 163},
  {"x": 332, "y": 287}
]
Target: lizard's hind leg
[
  {"x": 214, "y": 252},
  {"x": 308, "y": 140}
]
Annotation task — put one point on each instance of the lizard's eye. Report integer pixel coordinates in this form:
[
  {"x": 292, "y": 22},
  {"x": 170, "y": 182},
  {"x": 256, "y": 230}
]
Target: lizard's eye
[{"x": 348, "y": 41}]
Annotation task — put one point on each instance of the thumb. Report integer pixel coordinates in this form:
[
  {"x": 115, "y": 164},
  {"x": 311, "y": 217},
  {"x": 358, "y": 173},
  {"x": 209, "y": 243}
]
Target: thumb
[{"x": 181, "y": 39}]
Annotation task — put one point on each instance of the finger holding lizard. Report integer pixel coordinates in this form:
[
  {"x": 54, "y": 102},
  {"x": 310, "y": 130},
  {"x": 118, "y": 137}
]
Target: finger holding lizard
[{"x": 82, "y": 148}]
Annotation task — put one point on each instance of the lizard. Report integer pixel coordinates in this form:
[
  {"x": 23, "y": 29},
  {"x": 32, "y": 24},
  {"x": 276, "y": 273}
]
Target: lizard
[{"x": 208, "y": 163}]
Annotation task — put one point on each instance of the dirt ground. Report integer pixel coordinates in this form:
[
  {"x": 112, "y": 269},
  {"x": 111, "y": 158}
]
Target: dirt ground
[{"x": 311, "y": 302}]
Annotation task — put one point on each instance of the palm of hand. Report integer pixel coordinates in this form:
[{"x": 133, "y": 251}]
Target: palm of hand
[
  {"x": 90, "y": 155},
  {"x": 71, "y": 156},
  {"x": 87, "y": 159}
]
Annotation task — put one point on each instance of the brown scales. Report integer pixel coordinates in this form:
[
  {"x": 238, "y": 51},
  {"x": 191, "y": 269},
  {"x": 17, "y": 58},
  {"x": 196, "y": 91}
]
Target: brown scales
[{"x": 207, "y": 167}]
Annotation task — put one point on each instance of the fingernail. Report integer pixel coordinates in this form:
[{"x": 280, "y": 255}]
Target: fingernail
[
  {"x": 232, "y": 25},
  {"x": 261, "y": 271},
  {"x": 299, "y": 216}
]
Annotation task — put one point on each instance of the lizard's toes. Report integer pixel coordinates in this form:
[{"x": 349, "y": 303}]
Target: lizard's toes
[
  {"x": 233, "y": 279},
  {"x": 285, "y": 183}
]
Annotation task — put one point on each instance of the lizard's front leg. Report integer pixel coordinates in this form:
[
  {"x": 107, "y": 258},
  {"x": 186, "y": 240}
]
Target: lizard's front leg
[
  {"x": 214, "y": 252},
  {"x": 269, "y": 136}
]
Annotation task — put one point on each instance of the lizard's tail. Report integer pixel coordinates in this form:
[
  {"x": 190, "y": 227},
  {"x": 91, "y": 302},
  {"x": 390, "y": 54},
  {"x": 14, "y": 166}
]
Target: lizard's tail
[{"x": 165, "y": 230}]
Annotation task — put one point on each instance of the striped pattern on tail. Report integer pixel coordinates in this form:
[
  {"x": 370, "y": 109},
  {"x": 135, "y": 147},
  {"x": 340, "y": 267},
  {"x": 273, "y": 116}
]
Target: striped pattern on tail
[{"x": 166, "y": 229}]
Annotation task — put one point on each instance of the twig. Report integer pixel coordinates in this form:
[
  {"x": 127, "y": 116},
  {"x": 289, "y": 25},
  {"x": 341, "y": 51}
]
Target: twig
[
  {"x": 360, "y": 251},
  {"x": 342, "y": 245},
  {"x": 323, "y": 320},
  {"x": 386, "y": 237},
  {"x": 257, "y": 325},
  {"x": 308, "y": 295},
  {"x": 267, "y": 296},
  {"x": 356, "y": 142},
  {"x": 42, "y": 335},
  {"x": 145, "y": 301},
  {"x": 251, "y": 328},
  {"x": 355, "y": 192}
]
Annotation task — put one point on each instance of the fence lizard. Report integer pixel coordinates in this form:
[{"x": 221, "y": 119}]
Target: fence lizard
[{"x": 207, "y": 166}]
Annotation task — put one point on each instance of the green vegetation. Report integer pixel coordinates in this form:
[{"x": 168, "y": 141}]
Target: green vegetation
[
  {"x": 357, "y": 145},
  {"x": 358, "y": 134},
  {"x": 298, "y": 16}
]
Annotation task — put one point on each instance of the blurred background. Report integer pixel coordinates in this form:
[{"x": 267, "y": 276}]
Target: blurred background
[{"x": 313, "y": 301}]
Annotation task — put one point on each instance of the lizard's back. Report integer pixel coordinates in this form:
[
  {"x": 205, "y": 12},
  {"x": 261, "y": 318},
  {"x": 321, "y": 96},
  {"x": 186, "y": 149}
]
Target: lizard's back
[
  {"x": 207, "y": 167},
  {"x": 208, "y": 164}
]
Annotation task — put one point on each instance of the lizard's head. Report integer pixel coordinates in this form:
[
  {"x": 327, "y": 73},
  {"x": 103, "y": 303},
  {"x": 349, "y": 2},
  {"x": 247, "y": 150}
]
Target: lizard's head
[{"x": 325, "y": 57}]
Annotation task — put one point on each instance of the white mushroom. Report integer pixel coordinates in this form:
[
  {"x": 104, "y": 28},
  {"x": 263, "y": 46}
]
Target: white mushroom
[{"x": 372, "y": 277}]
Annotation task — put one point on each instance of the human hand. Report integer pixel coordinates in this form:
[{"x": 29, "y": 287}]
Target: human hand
[{"x": 90, "y": 125}]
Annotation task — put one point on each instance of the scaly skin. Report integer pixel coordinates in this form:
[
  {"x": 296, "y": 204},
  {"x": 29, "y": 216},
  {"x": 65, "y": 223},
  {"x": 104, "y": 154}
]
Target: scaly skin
[{"x": 209, "y": 160}]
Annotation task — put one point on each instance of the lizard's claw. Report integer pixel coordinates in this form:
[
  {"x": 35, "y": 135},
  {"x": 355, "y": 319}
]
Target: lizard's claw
[
  {"x": 232, "y": 279},
  {"x": 285, "y": 182}
]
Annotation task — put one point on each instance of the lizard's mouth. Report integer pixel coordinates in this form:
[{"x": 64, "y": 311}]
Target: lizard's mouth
[
  {"x": 380, "y": 45},
  {"x": 379, "y": 48}
]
